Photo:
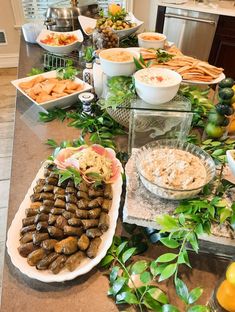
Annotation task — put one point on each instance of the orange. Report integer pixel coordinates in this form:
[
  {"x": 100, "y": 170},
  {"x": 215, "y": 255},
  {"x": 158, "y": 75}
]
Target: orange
[
  {"x": 231, "y": 126},
  {"x": 114, "y": 9},
  {"x": 226, "y": 296}
]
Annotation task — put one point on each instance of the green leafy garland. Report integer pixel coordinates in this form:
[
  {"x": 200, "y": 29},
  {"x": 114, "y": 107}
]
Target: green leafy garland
[
  {"x": 101, "y": 127},
  {"x": 135, "y": 282}
]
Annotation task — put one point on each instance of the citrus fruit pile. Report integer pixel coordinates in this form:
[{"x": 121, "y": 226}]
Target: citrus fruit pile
[
  {"x": 218, "y": 118},
  {"x": 226, "y": 292}
]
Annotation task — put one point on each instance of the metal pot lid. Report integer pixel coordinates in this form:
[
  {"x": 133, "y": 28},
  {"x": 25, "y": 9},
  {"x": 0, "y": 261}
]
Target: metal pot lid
[{"x": 62, "y": 13}]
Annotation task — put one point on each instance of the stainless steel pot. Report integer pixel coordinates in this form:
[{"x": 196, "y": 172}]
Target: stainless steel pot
[{"x": 66, "y": 19}]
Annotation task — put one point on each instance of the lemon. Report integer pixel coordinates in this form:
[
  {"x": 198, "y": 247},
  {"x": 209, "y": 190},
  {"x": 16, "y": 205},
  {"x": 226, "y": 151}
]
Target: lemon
[{"x": 230, "y": 273}]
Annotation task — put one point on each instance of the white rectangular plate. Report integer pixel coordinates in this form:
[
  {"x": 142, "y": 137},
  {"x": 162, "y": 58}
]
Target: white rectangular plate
[{"x": 62, "y": 102}]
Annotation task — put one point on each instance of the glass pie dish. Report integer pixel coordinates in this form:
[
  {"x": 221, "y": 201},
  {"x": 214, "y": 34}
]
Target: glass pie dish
[{"x": 144, "y": 157}]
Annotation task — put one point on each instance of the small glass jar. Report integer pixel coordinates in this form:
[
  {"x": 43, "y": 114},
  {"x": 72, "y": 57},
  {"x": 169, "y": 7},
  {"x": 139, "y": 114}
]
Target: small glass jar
[{"x": 105, "y": 38}]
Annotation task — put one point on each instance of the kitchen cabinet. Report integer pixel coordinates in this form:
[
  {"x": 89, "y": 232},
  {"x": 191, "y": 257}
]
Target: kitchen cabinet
[{"x": 223, "y": 47}]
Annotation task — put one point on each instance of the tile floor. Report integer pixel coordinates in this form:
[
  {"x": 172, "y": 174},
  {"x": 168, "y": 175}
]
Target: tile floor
[{"x": 7, "y": 113}]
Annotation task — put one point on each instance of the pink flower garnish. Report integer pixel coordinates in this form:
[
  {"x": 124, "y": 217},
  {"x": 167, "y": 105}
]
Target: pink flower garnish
[
  {"x": 64, "y": 154},
  {"x": 100, "y": 150},
  {"x": 66, "y": 158}
]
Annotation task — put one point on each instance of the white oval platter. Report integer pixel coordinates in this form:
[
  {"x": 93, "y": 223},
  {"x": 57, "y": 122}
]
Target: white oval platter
[{"x": 13, "y": 237}]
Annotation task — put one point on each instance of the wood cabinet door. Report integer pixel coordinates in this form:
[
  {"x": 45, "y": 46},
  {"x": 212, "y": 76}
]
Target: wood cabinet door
[{"x": 223, "y": 48}]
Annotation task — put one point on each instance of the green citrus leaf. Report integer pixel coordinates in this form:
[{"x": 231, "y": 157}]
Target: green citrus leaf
[
  {"x": 183, "y": 258},
  {"x": 128, "y": 253},
  {"x": 224, "y": 214},
  {"x": 193, "y": 242},
  {"x": 145, "y": 277},
  {"x": 121, "y": 248},
  {"x": 158, "y": 294},
  {"x": 170, "y": 243},
  {"x": 117, "y": 285},
  {"x": 113, "y": 274},
  {"x": 198, "y": 308},
  {"x": 181, "y": 290},
  {"x": 156, "y": 268},
  {"x": 166, "y": 257},
  {"x": 106, "y": 260},
  {"x": 127, "y": 297},
  {"x": 232, "y": 221},
  {"x": 168, "y": 271},
  {"x": 169, "y": 308},
  {"x": 139, "y": 267},
  {"x": 167, "y": 223},
  {"x": 152, "y": 304},
  {"x": 194, "y": 295}
]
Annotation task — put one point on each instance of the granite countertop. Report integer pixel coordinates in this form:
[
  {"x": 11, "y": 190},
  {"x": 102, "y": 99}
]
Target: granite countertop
[
  {"x": 226, "y": 8},
  {"x": 87, "y": 292}
]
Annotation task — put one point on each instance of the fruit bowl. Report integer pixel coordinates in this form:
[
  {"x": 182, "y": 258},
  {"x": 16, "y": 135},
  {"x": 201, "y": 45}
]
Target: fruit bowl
[{"x": 88, "y": 24}]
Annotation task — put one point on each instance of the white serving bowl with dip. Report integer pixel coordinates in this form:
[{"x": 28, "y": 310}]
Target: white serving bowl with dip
[
  {"x": 151, "y": 40},
  {"x": 157, "y": 85},
  {"x": 118, "y": 62}
]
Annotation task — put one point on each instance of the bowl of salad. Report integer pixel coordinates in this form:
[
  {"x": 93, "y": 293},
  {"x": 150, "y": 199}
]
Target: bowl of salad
[{"x": 60, "y": 43}]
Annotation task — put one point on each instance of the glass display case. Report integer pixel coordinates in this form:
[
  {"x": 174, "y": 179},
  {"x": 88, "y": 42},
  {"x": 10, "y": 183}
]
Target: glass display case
[{"x": 168, "y": 120}]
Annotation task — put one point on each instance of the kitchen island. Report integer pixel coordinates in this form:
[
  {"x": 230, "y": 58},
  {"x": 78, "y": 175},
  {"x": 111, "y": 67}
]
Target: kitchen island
[{"x": 87, "y": 292}]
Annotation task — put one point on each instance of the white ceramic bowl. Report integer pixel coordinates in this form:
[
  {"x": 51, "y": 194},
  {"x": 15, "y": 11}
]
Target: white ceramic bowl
[
  {"x": 60, "y": 50},
  {"x": 159, "y": 42},
  {"x": 31, "y": 31},
  {"x": 159, "y": 93},
  {"x": 231, "y": 160},
  {"x": 127, "y": 32},
  {"x": 87, "y": 22},
  {"x": 62, "y": 102},
  {"x": 112, "y": 68}
]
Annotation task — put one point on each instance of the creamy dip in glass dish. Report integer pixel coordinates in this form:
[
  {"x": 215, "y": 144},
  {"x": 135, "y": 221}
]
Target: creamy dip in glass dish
[{"x": 174, "y": 169}]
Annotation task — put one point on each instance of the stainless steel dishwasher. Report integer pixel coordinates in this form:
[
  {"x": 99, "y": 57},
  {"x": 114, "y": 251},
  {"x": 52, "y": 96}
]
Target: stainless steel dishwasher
[{"x": 191, "y": 31}]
